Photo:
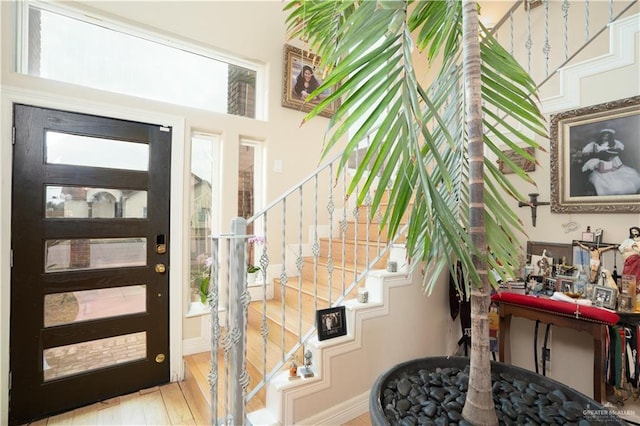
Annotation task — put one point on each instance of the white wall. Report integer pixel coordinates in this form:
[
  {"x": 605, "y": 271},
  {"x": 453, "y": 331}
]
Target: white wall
[{"x": 410, "y": 325}]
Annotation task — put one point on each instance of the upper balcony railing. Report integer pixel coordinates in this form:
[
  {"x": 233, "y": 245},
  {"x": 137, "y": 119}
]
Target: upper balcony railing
[{"x": 545, "y": 36}]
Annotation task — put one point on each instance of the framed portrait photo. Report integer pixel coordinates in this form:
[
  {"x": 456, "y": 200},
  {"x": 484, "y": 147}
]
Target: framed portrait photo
[
  {"x": 605, "y": 297},
  {"x": 595, "y": 158},
  {"x": 625, "y": 303},
  {"x": 301, "y": 77},
  {"x": 331, "y": 322},
  {"x": 566, "y": 285}
]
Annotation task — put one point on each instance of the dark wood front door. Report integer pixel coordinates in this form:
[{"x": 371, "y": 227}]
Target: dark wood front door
[{"x": 90, "y": 244}]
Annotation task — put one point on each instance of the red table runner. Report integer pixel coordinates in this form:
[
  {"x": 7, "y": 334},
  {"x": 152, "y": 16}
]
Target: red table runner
[{"x": 589, "y": 313}]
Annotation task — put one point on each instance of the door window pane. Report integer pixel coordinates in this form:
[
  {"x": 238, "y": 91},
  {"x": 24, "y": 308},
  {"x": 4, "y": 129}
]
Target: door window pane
[
  {"x": 101, "y": 203},
  {"x": 76, "y": 150},
  {"x": 63, "y": 361},
  {"x": 77, "y": 306},
  {"x": 95, "y": 253}
]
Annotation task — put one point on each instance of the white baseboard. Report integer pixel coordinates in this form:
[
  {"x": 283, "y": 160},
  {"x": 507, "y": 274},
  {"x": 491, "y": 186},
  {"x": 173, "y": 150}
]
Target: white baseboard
[
  {"x": 340, "y": 413},
  {"x": 195, "y": 346},
  {"x": 201, "y": 343}
]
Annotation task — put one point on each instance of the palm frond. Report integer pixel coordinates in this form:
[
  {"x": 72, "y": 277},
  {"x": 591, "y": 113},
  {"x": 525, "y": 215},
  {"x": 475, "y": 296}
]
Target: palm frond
[{"x": 414, "y": 130}]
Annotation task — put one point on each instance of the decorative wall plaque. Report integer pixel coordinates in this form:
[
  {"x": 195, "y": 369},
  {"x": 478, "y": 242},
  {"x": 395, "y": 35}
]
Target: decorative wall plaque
[{"x": 526, "y": 165}]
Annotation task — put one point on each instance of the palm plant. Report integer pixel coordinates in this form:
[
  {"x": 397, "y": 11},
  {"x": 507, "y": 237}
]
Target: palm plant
[{"x": 430, "y": 143}]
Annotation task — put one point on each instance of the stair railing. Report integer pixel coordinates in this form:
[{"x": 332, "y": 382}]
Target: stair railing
[
  {"x": 547, "y": 35},
  {"x": 314, "y": 246}
]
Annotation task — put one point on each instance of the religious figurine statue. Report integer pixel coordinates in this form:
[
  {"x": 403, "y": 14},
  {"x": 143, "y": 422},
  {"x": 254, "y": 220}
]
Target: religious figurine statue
[
  {"x": 306, "y": 370},
  {"x": 544, "y": 267},
  {"x": 595, "y": 252},
  {"x": 564, "y": 268},
  {"x": 293, "y": 369},
  {"x": 630, "y": 249}
]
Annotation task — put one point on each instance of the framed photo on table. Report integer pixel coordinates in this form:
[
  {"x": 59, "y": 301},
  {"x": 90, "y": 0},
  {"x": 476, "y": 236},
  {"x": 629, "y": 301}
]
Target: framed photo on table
[
  {"x": 595, "y": 158},
  {"x": 605, "y": 297},
  {"x": 565, "y": 285},
  {"x": 301, "y": 76},
  {"x": 625, "y": 303}
]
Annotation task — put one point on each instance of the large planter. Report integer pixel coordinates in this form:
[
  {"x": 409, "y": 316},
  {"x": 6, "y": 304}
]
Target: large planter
[{"x": 428, "y": 388}]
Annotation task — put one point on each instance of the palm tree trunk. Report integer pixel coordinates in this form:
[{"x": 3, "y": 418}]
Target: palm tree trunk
[{"x": 478, "y": 408}]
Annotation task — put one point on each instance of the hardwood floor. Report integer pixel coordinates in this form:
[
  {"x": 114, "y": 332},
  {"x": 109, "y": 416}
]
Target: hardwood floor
[
  {"x": 171, "y": 404},
  {"x": 160, "y": 405},
  {"x": 361, "y": 420}
]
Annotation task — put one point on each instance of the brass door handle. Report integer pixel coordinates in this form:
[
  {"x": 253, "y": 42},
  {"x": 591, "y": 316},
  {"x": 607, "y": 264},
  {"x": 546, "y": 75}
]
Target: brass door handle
[{"x": 160, "y": 268}]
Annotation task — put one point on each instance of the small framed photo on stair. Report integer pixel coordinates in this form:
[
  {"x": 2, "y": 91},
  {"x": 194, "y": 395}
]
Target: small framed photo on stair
[{"x": 331, "y": 322}]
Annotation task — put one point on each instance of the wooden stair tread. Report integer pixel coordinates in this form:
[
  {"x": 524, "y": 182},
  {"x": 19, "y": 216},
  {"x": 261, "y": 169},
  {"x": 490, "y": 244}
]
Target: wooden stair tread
[
  {"x": 320, "y": 291},
  {"x": 322, "y": 264},
  {"x": 197, "y": 368},
  {"x": 274, "y": 312},
  {"x": 384, "y": 204},
  {"x": 256, "y": 356}
]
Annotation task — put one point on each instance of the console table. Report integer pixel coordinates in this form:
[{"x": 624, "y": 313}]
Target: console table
[{"x": 597, "y": 330}]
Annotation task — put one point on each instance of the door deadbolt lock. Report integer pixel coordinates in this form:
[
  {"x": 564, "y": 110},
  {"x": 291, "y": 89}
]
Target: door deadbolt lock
[
  {"x": 161, "y": 244},
  {"x": 160, "y": 268},
  {"x": 159, "y": 358}
]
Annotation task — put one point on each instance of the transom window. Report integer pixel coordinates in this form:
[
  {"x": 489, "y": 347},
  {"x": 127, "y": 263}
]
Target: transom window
[{"x": 61, "y": 45}]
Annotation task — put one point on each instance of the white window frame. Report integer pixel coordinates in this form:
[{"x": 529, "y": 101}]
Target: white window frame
[
  {"x": 22, "y": 43},
  {"x": 259, "y": 175}
]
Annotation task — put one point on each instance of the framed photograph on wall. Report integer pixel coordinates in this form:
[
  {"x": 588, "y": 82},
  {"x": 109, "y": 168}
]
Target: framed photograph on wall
[
  {"x": 525, "y": 164},
  {"x": 595, "y": 158},
  {"x": 331, "y": 322},
  {"x": 301, "y": 76}
]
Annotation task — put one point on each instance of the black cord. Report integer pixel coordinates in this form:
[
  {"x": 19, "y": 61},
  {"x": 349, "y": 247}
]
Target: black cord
[
  {"x": 614, "y": 274},
  {"x": 535, "y": 346},
  {"x": 544, "y": 349}
]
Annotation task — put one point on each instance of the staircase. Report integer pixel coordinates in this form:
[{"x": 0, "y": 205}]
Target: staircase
[{"x": 310, "y": 276}]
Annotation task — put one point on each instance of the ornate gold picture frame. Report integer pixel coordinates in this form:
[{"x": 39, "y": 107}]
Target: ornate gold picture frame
[
  {"x": 301, "y": 77},
  {"x": 595, "y": 158}
]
